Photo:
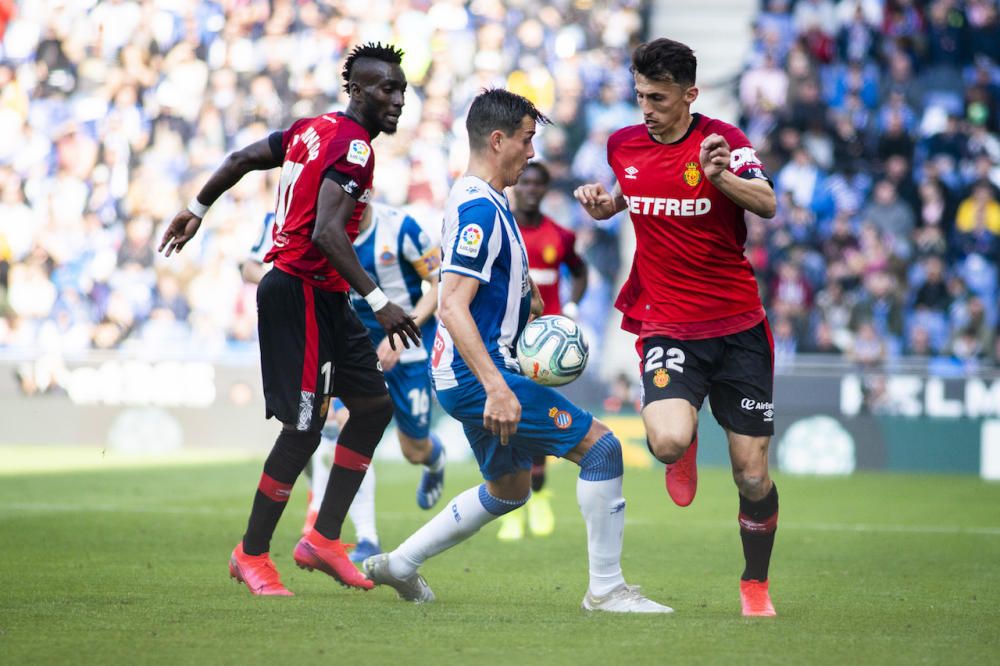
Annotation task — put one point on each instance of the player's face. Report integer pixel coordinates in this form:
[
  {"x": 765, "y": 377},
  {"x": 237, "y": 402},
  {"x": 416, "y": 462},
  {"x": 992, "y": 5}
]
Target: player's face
[
  {"x": 664, "y": 105},
  {"x": 380, "y": 91},
  {"x": 530, "y": 190},
  {"x": 516, "y": 150}
]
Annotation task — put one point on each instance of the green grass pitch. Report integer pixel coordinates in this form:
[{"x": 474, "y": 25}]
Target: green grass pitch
[{"x": 128, "y": 566}]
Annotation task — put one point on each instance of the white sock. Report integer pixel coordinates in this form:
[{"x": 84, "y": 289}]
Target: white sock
[
  {"x": 321, "y": 462},
  {"x": 362, "y": 511},
  {"x": 603, "y": 509},
  {"x": 461, "y": 518}
]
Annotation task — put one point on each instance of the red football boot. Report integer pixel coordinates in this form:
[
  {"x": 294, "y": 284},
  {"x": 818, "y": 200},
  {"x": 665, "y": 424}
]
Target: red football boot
[
  {"x": 314, "y": 551},
  {"x": 682, "y": 476},
  {"x": 257, "y": 572},
  {"x": 755, "y": 599}
]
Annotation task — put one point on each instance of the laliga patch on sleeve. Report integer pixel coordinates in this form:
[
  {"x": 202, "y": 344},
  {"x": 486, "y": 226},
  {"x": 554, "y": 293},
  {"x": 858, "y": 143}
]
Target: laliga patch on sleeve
[
  {"x": 742, "y": 157},
  {"x": 470, "y": 240},
  {"x": 359, "y": 152}
]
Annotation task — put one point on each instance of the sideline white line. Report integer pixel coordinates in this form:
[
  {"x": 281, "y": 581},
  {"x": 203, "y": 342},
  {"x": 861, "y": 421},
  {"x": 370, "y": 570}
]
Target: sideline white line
[{"x": 15, "y": 508}]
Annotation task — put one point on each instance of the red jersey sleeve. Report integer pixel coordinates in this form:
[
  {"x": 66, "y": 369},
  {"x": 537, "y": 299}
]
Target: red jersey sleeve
[
  {"x": 349, "y": 161},
  {"x": 743, "y": 159},
  {"x": 286, "y": 136}
]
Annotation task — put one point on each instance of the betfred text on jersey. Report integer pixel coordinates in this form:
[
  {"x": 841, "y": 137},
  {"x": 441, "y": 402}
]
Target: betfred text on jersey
[{"x": 672, "y": 207}]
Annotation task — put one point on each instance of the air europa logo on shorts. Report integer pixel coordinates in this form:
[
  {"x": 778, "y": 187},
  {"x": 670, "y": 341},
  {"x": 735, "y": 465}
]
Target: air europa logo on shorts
[
  {"x": 672, "y": 207},
  {"x": 757, "y": 406}
]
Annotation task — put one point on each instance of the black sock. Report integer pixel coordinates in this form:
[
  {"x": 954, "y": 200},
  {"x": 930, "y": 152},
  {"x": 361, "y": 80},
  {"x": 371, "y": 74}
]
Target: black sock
[
  {"x": 537, "y": 473},
  {"x": 758, "y": 522},
  {"x": 289, "y": 456}
]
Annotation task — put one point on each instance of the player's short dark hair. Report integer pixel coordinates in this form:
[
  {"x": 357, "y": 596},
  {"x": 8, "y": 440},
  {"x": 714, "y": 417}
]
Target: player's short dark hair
[
  {"x": 665, "y": 60},
  {"x": 499, "y": 109},
  {"x": 375, "y": 50},
  {"x": 542, "y": 170}
]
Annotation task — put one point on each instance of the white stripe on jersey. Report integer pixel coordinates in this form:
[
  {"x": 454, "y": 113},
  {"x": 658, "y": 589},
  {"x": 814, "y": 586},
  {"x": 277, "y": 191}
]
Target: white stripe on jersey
[
  {"x": 387, "y": 225},
  {"x": 450, "y": 370}
]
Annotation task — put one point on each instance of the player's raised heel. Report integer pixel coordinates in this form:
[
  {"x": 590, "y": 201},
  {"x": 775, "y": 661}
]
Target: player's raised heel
[
  {"x": 755, "y": 599},
  {"x": 682, "y": 476},
  {"x": 623, "y": 599},
  {"x": 257, "y": 572},
  {"x": 413, "y": 588},
  {"x": 329, "y": 557}
]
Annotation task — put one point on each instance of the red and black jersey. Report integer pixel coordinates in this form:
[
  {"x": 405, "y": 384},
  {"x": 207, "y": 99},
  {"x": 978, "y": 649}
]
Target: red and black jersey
[
  {"x": 549, "y": 246},
  {"x": 328, "y": 146},
  {"x": 689, "y": 277}
]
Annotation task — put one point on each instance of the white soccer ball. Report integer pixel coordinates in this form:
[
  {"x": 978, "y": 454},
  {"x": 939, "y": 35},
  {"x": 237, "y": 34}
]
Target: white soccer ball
[{"x": 552, "y": 350}]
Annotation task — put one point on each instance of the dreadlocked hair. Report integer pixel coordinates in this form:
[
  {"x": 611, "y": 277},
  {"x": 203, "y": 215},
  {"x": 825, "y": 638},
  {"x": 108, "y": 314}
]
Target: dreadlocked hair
[{"x": 376, "y": 50}]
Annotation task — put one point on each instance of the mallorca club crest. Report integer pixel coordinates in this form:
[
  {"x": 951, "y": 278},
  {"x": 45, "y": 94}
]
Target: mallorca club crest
[
  {"x": 692, "y": 174},
  {"x": 661, "y": 378}
]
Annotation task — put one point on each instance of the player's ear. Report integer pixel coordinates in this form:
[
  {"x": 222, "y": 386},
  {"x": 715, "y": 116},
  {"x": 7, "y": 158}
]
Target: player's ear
[
  {"x": 691, "y": 94},
  {"x": 496, "y": 139}
]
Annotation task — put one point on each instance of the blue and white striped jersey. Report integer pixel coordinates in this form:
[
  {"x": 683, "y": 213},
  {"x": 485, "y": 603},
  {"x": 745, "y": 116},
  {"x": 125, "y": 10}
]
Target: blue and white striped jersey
[
  {"x": 398, "y": 254},
  {"x": 480, "y": 239},
  {"x": 264, "y": 241}
]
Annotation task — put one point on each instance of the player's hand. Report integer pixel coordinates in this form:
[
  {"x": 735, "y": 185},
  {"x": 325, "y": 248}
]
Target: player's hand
[
  {"x": 502, "y": 413},
  {"x": 387, "y": 356},
  {"x": 182, "y": 229},
  {"x": 714, "y": 156},
  {"x": 395, "y": 321},
  {"x": 596, "y": 200}
]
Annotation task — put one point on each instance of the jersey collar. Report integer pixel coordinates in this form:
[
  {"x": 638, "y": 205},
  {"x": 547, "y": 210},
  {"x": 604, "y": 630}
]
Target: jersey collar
[{"x": 695, "y": 120}]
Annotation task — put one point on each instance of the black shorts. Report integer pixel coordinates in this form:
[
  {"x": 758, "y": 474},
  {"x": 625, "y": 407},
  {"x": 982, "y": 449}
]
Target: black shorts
[
  {"x": 312, "y": 346},
  {"x": 735, "y": 371}
]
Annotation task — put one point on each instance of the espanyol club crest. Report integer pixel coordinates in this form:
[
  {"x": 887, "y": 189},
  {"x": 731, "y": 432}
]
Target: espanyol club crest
[
  {"x": 692, "y": 174},
  {"x": 561, "y": 418}
]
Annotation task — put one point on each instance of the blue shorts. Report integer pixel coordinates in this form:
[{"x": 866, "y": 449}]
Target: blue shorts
[
  {"x": 410, "y": 389},
  {"x": 550, "y": 424}
]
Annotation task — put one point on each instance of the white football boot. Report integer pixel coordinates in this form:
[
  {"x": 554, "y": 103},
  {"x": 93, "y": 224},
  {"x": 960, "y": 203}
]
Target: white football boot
[
  {"x": 413, "y": 588},
  {"x": 623, "y": 599}
]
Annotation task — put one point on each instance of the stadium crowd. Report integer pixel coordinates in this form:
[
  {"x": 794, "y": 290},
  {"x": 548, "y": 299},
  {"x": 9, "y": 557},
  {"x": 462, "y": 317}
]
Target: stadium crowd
[
  {"x": 113, "y": 111},
  {"x": 877, "y": 119}
]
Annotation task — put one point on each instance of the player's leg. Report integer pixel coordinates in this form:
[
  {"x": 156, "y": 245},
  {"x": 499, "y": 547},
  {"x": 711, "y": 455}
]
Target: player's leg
[
  {"x": 599, "y": 495},
  {"x": 742, "y": 403},
  {"x": 355, "y": 377},
  {"x": 674, "y": 384},
  {"x": 410, "y": 388},
  {"x": 758, "y": 519},
  {"x": 290, "y": 353},
  {"x": 551, "y": 424},
  {"x": 362, "y": 514},
  {"x": 507, "y": 486},
  {"x": 318, "y": 469}
]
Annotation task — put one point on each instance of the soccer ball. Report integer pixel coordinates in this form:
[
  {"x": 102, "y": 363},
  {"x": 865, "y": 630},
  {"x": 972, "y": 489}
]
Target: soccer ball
[{"x": 552, "y": 350}]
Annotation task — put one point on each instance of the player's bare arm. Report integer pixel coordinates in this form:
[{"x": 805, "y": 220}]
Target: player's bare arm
[
  {"x": 598, "y": 202},
  {"x": 252, "y": 271},
  {"x": 537, "y": 302},
  {"x": 334, "y": 208},
  {"x": 753, "y": 194},
  {"x": 502, "y": 411},
  {"x": 258, "y": 156}
]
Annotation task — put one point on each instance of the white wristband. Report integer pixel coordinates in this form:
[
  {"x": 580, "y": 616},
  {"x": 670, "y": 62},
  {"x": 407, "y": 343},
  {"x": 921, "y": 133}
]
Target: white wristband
[
  {"x": 377, "y": 299},
  {"x": 197, "y": 208},
  {"x": 571, "y": 310}
]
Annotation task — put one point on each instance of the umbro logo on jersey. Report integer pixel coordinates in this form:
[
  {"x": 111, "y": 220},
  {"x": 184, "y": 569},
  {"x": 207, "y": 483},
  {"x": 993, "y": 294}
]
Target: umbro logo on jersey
[{"x": 630, "y": 172}]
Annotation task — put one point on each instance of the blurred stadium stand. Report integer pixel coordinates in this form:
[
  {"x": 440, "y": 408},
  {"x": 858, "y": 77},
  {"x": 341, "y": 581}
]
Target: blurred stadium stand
[{"x": 878, "y": 121}]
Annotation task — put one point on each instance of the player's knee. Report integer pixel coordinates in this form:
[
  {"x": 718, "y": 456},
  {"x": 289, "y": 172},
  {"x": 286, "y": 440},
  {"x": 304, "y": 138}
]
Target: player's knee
[
  {"x": 603, "y": 460},
  {"x": 375, "y": 411},
  {"x": 752, "y": 485},
  {"x": 667, "y": 446},
  {"x": 498, "y": 506}
]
